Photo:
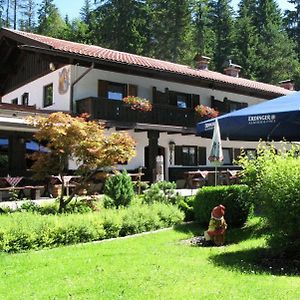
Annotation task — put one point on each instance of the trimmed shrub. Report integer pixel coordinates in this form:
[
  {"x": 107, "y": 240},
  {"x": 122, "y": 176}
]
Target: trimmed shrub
[
  {"x": 234, "y": 197},
  {"x": 163, "y": 191},
  {"x": 26, "y": 230},
  {"x": 186, "y": 205},
  {"x": 120, "y": 189}
]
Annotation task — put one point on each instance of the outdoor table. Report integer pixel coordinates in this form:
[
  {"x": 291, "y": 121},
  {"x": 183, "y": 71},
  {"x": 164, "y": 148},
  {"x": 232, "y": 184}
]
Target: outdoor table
[
  {"x": 192, "y": 176},
  {"x": 233, "y": 176}
]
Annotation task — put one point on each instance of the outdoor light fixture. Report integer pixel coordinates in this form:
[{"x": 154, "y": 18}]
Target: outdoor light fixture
[
  {"x": 171, "y": 152},
  {"x": 52, "y": 66}
]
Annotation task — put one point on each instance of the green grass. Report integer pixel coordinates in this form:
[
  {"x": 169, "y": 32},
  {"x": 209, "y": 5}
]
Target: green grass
[{"x": 155, "y": 266}]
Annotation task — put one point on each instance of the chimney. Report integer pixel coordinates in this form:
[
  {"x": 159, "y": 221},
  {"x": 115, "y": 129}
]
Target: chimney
[
  {"x": 202, "y": 62},
  {"x": 232, "y": 69},
  {"x": 287, "y": 84}
]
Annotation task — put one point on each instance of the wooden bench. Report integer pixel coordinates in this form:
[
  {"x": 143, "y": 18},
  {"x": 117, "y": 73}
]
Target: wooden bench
[{"x": 35, "y": 191}]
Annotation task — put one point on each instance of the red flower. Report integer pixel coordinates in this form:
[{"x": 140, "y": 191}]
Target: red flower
[
  {"x": 137, "y": 103},
  {"x": 206, "y": 111}
]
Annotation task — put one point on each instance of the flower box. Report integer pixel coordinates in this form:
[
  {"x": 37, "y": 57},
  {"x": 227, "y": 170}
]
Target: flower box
[{"x": 137, "y": 103}]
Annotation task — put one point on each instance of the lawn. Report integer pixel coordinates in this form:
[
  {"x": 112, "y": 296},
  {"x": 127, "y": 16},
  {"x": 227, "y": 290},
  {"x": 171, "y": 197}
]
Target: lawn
[{"x": 153, "y": 266}]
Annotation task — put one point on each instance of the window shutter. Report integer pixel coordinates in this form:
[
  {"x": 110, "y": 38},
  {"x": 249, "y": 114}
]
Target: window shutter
[
  {"x": 201, "y": 155},
  {"x": 219, "y": 105},
  {"x": 178, "y": 155},
  {"x": 154, "y": 95},
  {"x": 132, "y": 90},
  {"x": 102, "y": 88},
  {"x": 172, "y": 98},
  {"x": 231, "y": 155},
  {"x": 195, "y": 100}
]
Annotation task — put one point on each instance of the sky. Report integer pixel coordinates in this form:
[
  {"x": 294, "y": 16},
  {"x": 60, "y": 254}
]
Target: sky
[{"x": 72, "y": 7}]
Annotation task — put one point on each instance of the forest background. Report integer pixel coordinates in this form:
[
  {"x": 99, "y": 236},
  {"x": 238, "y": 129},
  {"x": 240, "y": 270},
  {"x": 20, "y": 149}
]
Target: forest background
[{"x": 260, "y": 37}]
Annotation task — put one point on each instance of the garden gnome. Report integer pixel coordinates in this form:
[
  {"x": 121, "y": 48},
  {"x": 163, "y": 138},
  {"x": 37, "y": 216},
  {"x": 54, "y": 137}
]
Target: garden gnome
[{"x": 217, "y": 226}]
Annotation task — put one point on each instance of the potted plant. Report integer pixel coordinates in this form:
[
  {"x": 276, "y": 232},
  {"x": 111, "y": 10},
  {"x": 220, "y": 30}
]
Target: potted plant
[
  {"x": 137, "y": 103},
  {"x": 206, "y": 111}
]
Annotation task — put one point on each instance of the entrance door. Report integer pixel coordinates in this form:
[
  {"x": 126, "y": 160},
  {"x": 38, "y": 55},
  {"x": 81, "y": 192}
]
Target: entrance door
[{"x": 148, "y": 172}]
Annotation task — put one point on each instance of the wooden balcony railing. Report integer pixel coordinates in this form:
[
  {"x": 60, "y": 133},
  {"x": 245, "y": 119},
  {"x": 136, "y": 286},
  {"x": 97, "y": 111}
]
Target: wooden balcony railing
[{"x": 113, "y": 110}]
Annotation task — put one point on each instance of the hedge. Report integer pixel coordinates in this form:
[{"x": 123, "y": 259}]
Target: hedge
[
  {"x": 235, "y": 198},
  {"x": 25, "y": 230}
]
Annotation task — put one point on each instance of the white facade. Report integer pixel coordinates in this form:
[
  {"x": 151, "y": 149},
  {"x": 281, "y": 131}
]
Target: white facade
[{"x": 88, "y": 87}]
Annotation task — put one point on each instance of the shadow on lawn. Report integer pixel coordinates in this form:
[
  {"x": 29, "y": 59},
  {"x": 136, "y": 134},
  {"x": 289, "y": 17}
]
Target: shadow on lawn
[
  {"x": 190, "y": 228},
  {"x": 251, "y": 230},
  {"x": 256, "y": 261}
]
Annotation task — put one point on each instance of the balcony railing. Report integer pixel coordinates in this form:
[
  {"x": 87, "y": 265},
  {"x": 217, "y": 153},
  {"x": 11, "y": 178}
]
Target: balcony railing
[{"x": 113, "y": 110}]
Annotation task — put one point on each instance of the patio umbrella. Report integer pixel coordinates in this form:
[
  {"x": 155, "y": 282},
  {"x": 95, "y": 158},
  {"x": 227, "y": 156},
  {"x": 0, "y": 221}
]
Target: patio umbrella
[
  {"x": 275, "y": 119},
  {"x": 216, "y": 153}
]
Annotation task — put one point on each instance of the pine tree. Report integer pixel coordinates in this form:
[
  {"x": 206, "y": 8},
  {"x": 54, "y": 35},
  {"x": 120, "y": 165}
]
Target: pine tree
[
  {"x": 222, "y": 23},
  {"x": 120, "y": 24},
  {"x": 203, "y": 34},
  {"x": 27, "y": 11},
  {"x": 50, "y": 22},
  {"x": 86, "y": 11},
  {"x": 277, "y": 59},
  {"x": 246, "y": 39},
  {"x": 171, "y": 29},
  {"x": 2, "y": 20},
  {"x": 292, "y": 23}
]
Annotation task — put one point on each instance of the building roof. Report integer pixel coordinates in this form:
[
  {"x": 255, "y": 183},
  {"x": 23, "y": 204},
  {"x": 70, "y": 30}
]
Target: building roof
[{"x": 103, "y": 54}]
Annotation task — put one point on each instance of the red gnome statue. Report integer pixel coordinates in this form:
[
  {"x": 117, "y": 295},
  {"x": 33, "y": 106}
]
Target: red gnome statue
[{"x": 217, "y": 226}]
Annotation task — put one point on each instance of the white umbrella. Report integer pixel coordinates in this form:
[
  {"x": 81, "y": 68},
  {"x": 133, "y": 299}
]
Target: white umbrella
[{"x": 216, "y": 153}]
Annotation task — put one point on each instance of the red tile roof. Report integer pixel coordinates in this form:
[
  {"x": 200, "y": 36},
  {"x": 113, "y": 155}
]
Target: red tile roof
[{"x": 97, "y": 52}]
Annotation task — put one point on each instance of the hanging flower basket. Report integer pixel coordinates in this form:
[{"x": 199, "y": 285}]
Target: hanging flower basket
[
  {"x": 206, "y": 111},
  {"x": 137, "y": 103}
]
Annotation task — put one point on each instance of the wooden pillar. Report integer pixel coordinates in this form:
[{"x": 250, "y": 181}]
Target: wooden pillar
[
  {"x": 153, "y": 136},
  {"x": 16, "y": 155}
]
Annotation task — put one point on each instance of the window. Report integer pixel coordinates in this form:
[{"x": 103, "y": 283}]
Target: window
[
  {"x": 227, "y": 154},
  {"x": 48, "y": 95},
  {"x": 181, "y": 100},
  {"x": 25, "y": 99},
  {"x": 186, "y": 155},
  {"x": 14, "y": 101},
  {"x": 190, "y": 155},
  {"x": 116, "y": 91}
]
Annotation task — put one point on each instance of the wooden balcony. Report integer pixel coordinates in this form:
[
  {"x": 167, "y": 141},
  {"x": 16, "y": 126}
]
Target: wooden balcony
[{"x": 112, "y": 110}]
